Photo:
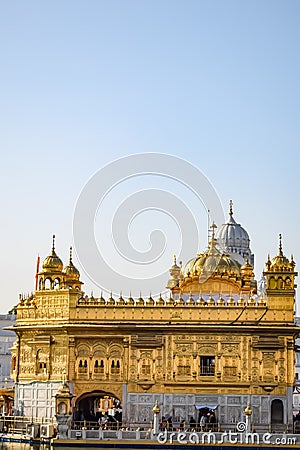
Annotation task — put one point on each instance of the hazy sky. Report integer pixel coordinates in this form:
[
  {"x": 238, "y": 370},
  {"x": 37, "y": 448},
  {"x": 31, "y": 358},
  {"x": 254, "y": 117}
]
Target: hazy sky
[{"x": 86, "y": 82}]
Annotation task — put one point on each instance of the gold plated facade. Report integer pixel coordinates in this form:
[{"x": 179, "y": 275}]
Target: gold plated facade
[{"x": 213, "y": 340}]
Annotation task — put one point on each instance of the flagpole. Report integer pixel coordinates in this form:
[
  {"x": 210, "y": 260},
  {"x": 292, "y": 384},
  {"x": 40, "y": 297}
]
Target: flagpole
[{"x": 37, "y": 272}]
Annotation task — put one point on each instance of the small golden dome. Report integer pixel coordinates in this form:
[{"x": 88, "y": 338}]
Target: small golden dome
[
  {"x": 130, "y": 301},
  {"x": 247, "y": 270},
  {"x": 175, "y": 269},
  {"x": 52, "y": 263},
  {"x": 170, "y": 301},
  {"x": 156, "y": 408},
  {"x": 279, "y": 260},
  {"x": 190, "y": 301},
  {"x": 160, "y": 301},
  {"x": 111, "y": 300},
  {"x": 150, "y": 301},
  {"x": 140, "y": 301},
  {"x": 101, "y": 300},
  {"x": 200, "y": 301},
  {"x": 70, "y": 270},
  {"x": 180, "y": 300},
  {"x": 248, "y": 410}
]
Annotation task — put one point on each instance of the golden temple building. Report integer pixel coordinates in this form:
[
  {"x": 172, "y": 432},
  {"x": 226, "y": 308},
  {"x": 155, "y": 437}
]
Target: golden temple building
[{"x": 217, "y": 341}]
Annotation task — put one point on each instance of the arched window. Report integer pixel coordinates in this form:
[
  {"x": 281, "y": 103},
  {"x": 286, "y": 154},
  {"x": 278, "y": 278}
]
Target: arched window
[
  {"x": 99, "y": 367},
  {"x": 41, "y": 284},
  {"x": 115, "y": 367},
  {"x": 47, "y": 283},
  {"x": 56, "y": 283},
  {"x": 82, "y": 366},
  {"x": 279, "y": 283}
]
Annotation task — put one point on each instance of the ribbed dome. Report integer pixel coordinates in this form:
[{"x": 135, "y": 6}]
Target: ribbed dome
[
  {"x": 52, "y": 263},
  {"x": 233, "y": 238},
  {"x": 233, "y": 235},
  {"x": 280, "y": 260},
  {"x": 70, "y": 270},
  {"x": 213, "y": 261}
]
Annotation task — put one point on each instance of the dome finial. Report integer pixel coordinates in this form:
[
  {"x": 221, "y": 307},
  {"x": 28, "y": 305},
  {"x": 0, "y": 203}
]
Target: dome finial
[
  {"x": 71, "y": 254},
  {"x": 53, "y": 243},
  {"x": 230, "y": 208},
  {"x": 175, "y": 262},
  {"x": 280, "y": 245},
  {"x": 213, "y": 227}
]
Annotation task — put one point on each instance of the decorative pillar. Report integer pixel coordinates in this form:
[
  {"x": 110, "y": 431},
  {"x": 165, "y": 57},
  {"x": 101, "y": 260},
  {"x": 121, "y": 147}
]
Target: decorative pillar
[
  {"x": 72, "y": 359},
  {"x": 156, "y": 411},
  {"x": 248, "y": 412}
]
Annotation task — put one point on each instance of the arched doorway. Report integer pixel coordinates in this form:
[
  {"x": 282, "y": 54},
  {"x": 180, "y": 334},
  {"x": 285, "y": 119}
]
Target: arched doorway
[
  {"x": 98, "y": 406},
  {"x": 277, "y": 412}
]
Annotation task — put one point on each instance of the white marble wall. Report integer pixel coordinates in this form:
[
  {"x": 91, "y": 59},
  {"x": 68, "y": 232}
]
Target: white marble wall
[
  {"x": 36, "y": 399},
  {"x": 182, "y": 407}
]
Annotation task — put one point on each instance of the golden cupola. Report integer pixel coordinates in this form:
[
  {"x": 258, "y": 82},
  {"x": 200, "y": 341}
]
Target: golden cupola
[
  {"x": 176, "y": 275},
  {"x": 280, "y": 277},
  {"x": 51, "y": 275},
  {"x": 280, "y": 261},
  {"x": 280, "y": 272},
  {"x": 52, "y": 262},
  {"x": 72, "y": 274}
]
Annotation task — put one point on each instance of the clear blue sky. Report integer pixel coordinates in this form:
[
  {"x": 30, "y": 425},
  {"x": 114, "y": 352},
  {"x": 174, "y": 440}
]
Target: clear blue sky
[{"x": 85, "y": 82}]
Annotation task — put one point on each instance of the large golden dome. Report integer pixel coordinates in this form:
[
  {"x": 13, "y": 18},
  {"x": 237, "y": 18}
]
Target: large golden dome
[
  {"x": 210, "y": 271},
  {"x": 212, "y": 262},
  {"x": 52, "y": 263}
]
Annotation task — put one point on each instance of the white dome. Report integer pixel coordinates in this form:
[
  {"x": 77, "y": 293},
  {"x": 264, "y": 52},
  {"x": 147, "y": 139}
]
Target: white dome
[
  {"x": 233, "y": 238},
  {"x": 232, "y": 234}
]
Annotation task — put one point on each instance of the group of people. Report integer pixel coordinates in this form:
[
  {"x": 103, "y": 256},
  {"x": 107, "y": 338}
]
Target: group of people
[{"x": 207, "y": 422}]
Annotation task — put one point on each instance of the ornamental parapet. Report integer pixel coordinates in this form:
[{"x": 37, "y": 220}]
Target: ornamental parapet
[{"x": 182, "y": 301}]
